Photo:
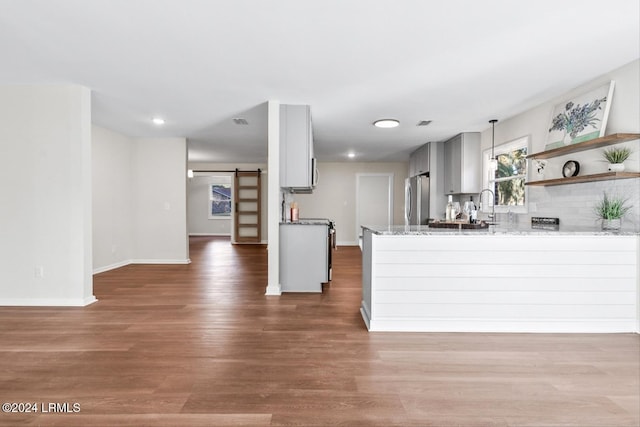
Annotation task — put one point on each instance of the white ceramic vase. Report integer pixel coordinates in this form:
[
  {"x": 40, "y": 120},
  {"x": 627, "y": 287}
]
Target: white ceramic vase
[
  {"x": 611, "y": 224},
  {"x": 616, "y": 167}
]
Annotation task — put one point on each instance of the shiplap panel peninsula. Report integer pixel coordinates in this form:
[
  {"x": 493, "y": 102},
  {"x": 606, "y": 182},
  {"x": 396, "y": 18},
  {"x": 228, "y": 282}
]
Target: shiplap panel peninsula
[{"x": 421, "y": 279}]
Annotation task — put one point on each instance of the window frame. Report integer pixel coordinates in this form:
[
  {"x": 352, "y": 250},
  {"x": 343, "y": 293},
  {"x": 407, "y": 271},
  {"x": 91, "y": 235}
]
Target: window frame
[
  {"x": 489, "y": 181},
  {"x": 226, "y": 182}
]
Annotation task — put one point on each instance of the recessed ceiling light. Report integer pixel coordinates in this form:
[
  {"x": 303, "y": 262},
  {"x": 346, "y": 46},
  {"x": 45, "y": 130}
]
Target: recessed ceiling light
[
  {"x": 386, "y": 123},
  {"x": 351, "y": 155},
  {"x": 158, "y": 121}
]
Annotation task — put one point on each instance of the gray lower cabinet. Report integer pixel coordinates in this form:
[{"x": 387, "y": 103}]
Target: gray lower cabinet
[{"x": 304, "y": 263}]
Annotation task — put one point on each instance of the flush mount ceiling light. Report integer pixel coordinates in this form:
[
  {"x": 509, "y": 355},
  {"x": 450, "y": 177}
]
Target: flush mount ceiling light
[
  {"x": 386, "y": 123},
  {"x": 351, "y": 155},
  {"x": 159, "y": 121}
]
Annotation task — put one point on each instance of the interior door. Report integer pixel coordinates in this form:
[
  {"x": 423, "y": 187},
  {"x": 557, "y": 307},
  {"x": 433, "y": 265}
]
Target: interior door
[
  {"x": 374, "y": 200},
  {"x": 247, "y": 207}
]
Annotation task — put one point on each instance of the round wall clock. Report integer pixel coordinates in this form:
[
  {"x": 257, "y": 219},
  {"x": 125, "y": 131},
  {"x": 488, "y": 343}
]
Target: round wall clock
[{"x": 571, "y": 168}]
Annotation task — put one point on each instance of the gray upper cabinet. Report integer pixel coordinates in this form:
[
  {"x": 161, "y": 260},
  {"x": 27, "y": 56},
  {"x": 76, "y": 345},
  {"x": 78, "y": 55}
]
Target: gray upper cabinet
[
  {"x": 419, "y": 161},
  {"x": 296, "y": 147},
  {"x": 462, "y": 164}
]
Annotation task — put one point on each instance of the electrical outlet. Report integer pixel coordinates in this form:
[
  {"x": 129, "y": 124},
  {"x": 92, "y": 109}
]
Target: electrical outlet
[
  {"x": 167, "y": 206},
  {"x": 39, "y": 272}
]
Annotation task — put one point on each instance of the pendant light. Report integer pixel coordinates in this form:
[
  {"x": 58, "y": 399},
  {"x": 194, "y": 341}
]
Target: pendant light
[{"x": 493, "y": 162}]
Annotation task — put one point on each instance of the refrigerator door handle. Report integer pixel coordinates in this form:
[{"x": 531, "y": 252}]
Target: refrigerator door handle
[
  {"x": 407, "y": 202},
  {"x": 418, "y": 214}
]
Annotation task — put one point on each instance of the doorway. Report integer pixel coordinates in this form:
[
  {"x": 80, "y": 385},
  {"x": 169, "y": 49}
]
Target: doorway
[
  {"x": 248, "y": 207},
  {"x": 374, "y": 200}
]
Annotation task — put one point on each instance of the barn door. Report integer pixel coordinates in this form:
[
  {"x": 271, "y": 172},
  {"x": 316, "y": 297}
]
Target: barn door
[{"x": 247, "y": 204}]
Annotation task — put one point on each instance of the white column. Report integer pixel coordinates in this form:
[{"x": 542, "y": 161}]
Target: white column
[{"x": 273, "y": 205}]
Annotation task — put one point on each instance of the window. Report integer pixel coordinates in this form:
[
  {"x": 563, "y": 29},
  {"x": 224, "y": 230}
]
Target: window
[
  {"x": 220, "y": 198},
  {"x": 507, "y": 181}
]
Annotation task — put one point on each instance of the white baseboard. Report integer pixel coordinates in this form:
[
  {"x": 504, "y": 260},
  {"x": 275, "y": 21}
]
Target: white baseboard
[
  {"x": 262, "y": 242},
  {"x": 161, "y": 261},
  {"x": 347, "y": 243},
  {"x": 47, "y": 302},
  {"x": 365, "y": 315},
  {"x": 594, "y": 326},
  {"x": 274, "y": 290},
  {"x": 111, "y": 267},
  {"x": 210, "y": 234},
  {"x": 140, "y": 261}
]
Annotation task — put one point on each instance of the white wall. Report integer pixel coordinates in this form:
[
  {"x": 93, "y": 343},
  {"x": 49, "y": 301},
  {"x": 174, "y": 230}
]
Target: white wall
[
  {"x": 199, "y": 223},
  {"x": 134, "y": 182},
  {"x": 160, "y": 206},
  {"x": 45, "y": 191},
  {"x": 198, "y": 198},
  {"x": 574, "y": 203},
  {"x": 335, "y": 195},
  {"x": 113, "y": 199}
]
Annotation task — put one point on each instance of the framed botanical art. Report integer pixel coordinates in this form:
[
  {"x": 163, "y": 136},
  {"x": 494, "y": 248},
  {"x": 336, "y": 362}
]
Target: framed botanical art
[{"x": 580, "y": 118}]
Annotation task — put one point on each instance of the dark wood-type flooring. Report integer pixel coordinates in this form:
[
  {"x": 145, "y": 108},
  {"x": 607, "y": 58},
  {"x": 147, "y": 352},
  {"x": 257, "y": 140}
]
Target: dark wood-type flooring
[{"x": 201, "y": 345}]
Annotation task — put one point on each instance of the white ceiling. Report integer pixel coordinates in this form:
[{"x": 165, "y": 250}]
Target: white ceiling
[{"x": 200, "y": 63}]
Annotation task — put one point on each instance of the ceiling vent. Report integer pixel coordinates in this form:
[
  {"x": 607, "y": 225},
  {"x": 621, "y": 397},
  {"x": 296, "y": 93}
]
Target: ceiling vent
[
  {"x": 423, "y": 122},
  {"x": 240, "y": 121}
]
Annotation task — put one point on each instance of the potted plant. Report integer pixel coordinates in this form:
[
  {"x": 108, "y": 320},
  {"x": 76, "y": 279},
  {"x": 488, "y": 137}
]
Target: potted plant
[
  {"x": 611, "y": 210},
  {"x": 616, "y": 156}
]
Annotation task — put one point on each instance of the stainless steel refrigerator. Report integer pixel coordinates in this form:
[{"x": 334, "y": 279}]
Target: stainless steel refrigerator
[{"x": 416, "y": 200}]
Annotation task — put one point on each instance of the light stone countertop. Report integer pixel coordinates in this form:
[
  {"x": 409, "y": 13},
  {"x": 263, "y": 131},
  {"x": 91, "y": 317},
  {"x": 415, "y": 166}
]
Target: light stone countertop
[
  {"x": 307, "y": 221},
  {"x": 500, "y": 229}
]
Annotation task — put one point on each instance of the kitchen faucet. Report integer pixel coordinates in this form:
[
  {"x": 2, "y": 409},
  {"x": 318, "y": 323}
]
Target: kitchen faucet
[{"x": 493, "y": 203}]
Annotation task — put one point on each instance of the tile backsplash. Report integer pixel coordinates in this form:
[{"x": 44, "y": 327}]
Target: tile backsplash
[{"x": 574, "y": 203}]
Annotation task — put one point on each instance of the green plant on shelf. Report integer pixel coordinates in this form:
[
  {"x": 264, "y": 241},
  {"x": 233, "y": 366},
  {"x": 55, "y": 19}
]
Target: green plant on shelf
[
  {"x": 611, "y": 207},
  {"x": 617, "y": 154}
]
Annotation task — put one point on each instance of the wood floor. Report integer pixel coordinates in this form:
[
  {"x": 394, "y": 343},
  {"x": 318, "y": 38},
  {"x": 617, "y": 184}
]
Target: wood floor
[{"x": 201, "y": 345}]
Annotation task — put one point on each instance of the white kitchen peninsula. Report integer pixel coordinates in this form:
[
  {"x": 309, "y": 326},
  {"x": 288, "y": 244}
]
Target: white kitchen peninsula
[{"x": 499, "y": 280}]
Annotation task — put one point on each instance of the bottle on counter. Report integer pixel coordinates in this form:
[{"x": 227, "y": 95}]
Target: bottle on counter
[
  {"x": 449, "y": 211},
  {"x": 470, "y": 210}
]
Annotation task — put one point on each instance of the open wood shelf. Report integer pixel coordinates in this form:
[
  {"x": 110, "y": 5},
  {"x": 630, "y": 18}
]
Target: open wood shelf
[
  {"x": 586, "y": 178},
  {"x": 616, "y": 138}
]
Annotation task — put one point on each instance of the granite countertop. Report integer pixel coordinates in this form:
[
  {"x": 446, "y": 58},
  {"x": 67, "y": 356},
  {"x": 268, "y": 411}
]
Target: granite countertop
[
  {"x": 500, "y": 229},
  {"x": 307, "y": 221}
]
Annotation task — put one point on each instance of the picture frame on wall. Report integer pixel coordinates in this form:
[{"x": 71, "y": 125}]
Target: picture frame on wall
[{"x": 580, "y": 118}]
